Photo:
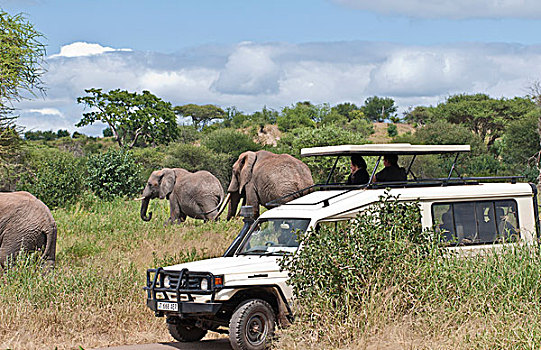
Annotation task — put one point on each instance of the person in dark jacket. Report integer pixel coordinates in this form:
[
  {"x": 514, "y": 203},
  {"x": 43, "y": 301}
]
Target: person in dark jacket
[
  {"x": 359, "y": 175},
  {"x": 391, "y": 172}
]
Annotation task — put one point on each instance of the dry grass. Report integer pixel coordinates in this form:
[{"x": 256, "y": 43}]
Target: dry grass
[
  {"x": 380, "y": 132},
  {"x": 95, "y": 297}
]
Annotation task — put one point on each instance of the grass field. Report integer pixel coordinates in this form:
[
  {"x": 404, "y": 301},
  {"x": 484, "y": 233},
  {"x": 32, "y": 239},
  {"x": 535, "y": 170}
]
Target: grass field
[{"x": 94, "y": 297}]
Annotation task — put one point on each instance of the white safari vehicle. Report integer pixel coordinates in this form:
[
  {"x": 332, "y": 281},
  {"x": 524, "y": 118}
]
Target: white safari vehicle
[{"x": 246, "y": 292}]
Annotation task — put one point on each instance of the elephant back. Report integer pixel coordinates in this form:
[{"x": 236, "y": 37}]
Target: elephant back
[
  {"x": 199, "y": 192},
  {"x": 279, "y": 176}
]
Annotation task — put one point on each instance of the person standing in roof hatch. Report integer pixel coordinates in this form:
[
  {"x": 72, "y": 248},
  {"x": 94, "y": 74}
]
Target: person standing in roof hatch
[{"x": 359, "y": 175}]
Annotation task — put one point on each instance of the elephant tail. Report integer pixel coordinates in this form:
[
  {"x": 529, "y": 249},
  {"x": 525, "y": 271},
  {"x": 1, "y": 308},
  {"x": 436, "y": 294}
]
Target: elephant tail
[
  {"x": 220, "y": 208},
  {"x": 50, "y": 247}
]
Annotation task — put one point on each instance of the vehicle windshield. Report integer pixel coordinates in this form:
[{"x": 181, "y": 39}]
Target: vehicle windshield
[{"x": 274, "y": 237}]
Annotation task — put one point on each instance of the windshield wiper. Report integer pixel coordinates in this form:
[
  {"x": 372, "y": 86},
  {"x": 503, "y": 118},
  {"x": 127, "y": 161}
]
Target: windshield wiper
[{"x": 253, "y": 252}]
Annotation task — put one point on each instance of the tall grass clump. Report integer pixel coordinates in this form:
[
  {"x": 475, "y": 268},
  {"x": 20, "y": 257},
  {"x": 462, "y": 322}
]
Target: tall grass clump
[
  {"x": 343, "y": 267},
  {"x": 380, "y": 280}
]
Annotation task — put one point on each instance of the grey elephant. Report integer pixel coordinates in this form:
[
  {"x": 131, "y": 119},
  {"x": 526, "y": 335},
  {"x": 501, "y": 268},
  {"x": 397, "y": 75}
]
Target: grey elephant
[
  {"x": 26, "y": 223},
  {"x": 262, "y": 176},
  {"x": 197, "y": 195}
]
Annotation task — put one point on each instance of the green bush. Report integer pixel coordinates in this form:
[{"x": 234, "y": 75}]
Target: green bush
[
  {"x": 53, "y": 176},
  {"x": 477, "y": 163},
  {"x": 338, "y": 262},
  {"x": 521, "y": 140},
  {"x": 194, "y": 158},
  {"x": 327, "y": 135},
  {"x": 229, "y": 141},
  {"x": 114, "y": 173},
  {"x": 392, "y": 130}
]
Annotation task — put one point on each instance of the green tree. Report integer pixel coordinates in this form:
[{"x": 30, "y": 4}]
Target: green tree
[
  {"x": 379, "y": 109},
  {"x": 347, "y": 109},
  {"x": 62, "y": 133},
  {"x": 299, "y": 115},
  {"x": 132, "y": 117},
  {"x": 521, "y": 140},
  {"x": 485, "y": 116},
  {"x": 21, "y": 69},
  {"x": 21, "y": 58},
  {"x": 420, "y": 115},
  {"x": 201, "y": 115}
]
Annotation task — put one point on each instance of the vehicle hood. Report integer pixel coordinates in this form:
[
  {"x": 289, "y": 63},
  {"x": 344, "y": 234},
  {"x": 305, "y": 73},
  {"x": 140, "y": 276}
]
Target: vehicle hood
[{"x": 237, "y": 268}]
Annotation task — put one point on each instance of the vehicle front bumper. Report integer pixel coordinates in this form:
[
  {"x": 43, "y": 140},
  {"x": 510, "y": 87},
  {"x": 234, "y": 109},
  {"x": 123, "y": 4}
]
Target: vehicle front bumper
[{"x": 186, "y": 307}]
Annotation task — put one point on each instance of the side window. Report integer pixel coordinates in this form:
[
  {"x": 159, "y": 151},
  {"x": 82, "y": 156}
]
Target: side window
[
  {"x": 507, "y": 219},
  {"x": 478, "y": 222},
  {"x": 333, "y": 226}
]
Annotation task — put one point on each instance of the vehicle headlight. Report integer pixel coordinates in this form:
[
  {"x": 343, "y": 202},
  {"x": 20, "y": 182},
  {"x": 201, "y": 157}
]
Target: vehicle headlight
[
  {"x": 167, "y": 282},
  {"x": 204, "y": 284}
]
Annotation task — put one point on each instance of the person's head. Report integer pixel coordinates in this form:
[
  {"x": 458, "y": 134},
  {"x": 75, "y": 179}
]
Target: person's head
[
  {"x": 390, "y": 159},
  {"x": 357, "y": 162}
]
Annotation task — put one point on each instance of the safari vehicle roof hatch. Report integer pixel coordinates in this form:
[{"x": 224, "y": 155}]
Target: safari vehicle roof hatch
[{"x": 381, "y": 150}]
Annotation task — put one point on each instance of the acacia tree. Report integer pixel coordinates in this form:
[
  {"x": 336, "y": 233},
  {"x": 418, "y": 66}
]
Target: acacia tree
[
  {"x": 201, "y": 115},
  {"x": 132, "y": 117},
  {"x": 21, "y": 69},
  {"x": 483, "y": 115}
]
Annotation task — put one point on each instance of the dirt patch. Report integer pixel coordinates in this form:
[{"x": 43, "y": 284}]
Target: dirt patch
[{"x": 381, "y": 136}]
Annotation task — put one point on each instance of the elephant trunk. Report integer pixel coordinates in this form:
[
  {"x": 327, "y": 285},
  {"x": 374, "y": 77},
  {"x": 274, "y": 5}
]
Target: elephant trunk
[
  {"x": 233, "y": 205},
  {"x": 144, "y": 207}
]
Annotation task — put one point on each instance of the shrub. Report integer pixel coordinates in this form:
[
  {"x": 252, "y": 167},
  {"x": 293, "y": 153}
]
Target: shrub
[
  {"x": 338, "y": 262},
  {"x": 230, "y": 142},
  {"x": 327, "y": 135},
  {"x": 53, "y": 176},
  {"x": 114, "y": 173},
  {"x": 392, "y": 130},
  {"x": 194, "y": 158}
]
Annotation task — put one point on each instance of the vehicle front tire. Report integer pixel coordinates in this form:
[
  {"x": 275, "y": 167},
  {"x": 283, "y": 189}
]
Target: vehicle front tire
[
  {"x": 252, "y": 325},
  {"x": 185, "y": 332}
]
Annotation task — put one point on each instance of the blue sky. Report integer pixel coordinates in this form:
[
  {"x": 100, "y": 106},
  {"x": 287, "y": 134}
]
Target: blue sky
[{"x": 251, "y": 54}]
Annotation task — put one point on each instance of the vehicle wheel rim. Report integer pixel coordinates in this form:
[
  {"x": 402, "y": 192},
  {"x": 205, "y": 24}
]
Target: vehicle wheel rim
[{"x": 256, "y": 329}]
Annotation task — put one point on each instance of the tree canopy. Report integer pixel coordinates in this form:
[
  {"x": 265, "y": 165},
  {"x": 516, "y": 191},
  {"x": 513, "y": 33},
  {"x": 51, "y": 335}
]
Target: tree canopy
[
  {"x": 21, "y": 69},
  {"x": 132, "y": 117},
  {"x": 483, "y": 115},
  {"x": 201, "y": 115},
  {"x": 21, "y": 57},
  {"x": 379, "y": 109}
]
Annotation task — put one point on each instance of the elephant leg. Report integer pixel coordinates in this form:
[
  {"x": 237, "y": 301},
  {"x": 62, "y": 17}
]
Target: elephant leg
[
  {"x": 175, "y": 213},
  {"x": 181, "y": 217},
  {"x": 253, "y": 200}
]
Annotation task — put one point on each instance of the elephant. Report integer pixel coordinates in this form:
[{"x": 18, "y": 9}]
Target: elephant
[
  {"x": 26, "y": 224},
  {"x": 262, "y": 176},
  {"x": 197, "y": 195}
]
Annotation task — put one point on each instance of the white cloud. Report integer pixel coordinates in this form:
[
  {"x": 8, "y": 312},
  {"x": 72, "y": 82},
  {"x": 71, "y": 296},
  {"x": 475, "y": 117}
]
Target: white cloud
[
  {"x": 250, "y": 76},
  {"x": 46, "y": 111},
  {"x": 79, "y": 49},
  {"x": 453, "y": 9},
  {"x": 249, "y": 70}
]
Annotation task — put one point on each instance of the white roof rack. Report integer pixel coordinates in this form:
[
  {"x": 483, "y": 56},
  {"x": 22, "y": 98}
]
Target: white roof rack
[{"x": 382, "y": 149}]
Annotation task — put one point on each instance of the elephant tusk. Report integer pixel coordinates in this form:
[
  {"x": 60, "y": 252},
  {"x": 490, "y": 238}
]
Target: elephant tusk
[
  {"x": 139, "y": 199},
  {"x": 223, "y": 205}
]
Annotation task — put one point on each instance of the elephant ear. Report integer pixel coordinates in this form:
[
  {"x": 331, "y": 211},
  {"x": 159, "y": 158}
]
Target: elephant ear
[
  {"x": 167, "y": 183},
  {"x": 247, "y": 168}
]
